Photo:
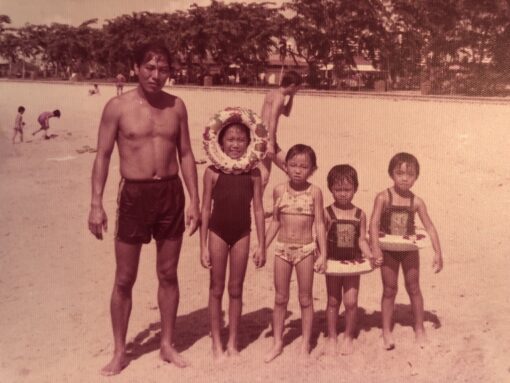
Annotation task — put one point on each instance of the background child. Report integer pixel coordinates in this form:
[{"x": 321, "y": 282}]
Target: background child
[
  {"x": 393, "y": 213},
  {"x": 94, "y": 90},
  {"x": 346, "y": 240},
  {"x": 119, "y": 83},
  {"x": 43, "y": 120},
  {"x": 273, "y": 107},
  {"x": 227, "y": 231},
  {"x": 18, "y": 124},
  {"x": 297, "y": 208}
]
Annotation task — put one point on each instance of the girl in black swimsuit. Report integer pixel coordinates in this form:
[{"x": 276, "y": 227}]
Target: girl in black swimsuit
[{"x": 226, "y": 231}]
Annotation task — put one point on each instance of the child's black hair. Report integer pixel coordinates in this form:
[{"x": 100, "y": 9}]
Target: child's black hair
[
  {"x": 338, "y": 173},
  {"x": 401, "y": 158},
  {"x": 291, "y": 77},
  {"x": 302, "y": 149}
]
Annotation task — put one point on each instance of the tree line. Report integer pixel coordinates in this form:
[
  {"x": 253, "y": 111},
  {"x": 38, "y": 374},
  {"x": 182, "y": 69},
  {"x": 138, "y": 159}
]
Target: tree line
[{"x": 447, "y": 44}]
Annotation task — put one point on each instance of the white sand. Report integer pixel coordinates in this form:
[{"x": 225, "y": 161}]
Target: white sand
[{"x": 55, "y": 278}]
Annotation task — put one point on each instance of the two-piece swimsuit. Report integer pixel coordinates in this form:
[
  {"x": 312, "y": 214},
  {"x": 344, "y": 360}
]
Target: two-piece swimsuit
[
  {"x": 343, "y": 236},
  {"x": 230, "y": 218},
  {"x": 398, "y": 219},
  {"x": 295, "y": 204}
]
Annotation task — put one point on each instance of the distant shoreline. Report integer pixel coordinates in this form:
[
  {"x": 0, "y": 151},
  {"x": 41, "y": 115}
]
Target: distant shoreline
[{"x": 397, "y": 95}]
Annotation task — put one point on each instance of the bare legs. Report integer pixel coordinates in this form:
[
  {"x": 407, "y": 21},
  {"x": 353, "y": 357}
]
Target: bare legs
[
  {"x": 350, "y": 287},
  {"x": 389, "y": 273},
  {"x": 127, "y": 257},
  {"x": 45, "y": 130},
  {"x": 16, "y": 132},
  {"x": 282, "y": 274},
  {"x": 238, "y": 263},
  {"x": 168, "y": 297}
]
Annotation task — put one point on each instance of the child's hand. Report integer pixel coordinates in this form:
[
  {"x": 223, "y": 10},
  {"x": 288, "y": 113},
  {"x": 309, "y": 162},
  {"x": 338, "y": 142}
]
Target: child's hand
[
  {"x": 377, "y": 257},
  {"x": 320, "y": 264},
  {"x": 205, "y": 258},
  {"x": 270, "y": 150},
  {"x": 437, "y": 263},
  {"x": 259, "y": 257}
]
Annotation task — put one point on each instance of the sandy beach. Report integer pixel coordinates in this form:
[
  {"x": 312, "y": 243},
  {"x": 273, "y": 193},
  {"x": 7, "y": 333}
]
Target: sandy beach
[{"x": 56, "y": 278}]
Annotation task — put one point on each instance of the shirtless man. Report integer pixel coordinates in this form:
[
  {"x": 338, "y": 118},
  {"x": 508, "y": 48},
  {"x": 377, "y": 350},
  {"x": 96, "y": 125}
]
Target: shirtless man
[
  {"x": 150, "y": 128},
  {"x": 274, "y": 106}
]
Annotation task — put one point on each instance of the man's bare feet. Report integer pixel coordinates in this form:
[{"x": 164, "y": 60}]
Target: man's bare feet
[
  {"x": 347, "y": 346},
  {"x": 421, "y": 338},
  {"x": 116, "y": 365},
  {"x": 275, "y": 351},
  {"x": 169, "y": 354},
  {"x": 389, "y": 343},
  {"x": 331, "y": 343}
]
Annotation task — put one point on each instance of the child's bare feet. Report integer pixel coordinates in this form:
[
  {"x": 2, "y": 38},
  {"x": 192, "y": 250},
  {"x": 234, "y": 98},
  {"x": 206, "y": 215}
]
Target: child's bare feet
[
  {"x": 389, "y": 343},
  {"x": 331, "y": 343},
  {"x": 232, "y": 350},
  {"x": 169, "y": 354},
  {"x": 347, "y": 346},
  {"x": 275, "y": 351},
  {"x": 116, "y": 365},
  {"x": 421, "y": 338},
  {"x": 219, "y": 355},
  {"x": 304, "y": 351}
]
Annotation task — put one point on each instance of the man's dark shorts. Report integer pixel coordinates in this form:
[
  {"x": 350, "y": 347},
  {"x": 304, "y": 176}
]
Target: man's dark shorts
[{"x": 150, "y": 207}]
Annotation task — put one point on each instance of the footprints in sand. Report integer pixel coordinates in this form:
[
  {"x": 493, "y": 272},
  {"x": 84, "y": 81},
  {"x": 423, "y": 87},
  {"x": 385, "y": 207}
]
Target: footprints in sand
[{"x": 86, "y": 149}]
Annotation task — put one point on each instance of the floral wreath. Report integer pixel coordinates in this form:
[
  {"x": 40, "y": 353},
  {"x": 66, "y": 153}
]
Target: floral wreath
[{"x": 256, "y": 150}]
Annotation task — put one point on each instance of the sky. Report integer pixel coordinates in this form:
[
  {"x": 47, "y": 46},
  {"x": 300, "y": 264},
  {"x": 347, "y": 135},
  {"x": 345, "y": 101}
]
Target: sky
[{"x": 74, "y": 12}]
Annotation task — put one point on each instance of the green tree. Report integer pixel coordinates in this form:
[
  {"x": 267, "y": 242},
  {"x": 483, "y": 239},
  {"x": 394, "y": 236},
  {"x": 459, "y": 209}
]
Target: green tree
[
  {"x": 124, "y": 33},
  {"x": 334, "y": 31},
  {"x": 235, "y": 33},
  {"x": 430, "y": 26}
]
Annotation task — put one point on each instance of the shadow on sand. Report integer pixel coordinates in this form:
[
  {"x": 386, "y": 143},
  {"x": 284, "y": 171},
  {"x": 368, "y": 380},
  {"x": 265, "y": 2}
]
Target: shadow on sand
[
  {"x": 189, "y": 329},
  {"x": 366, "y": 322},
  {"x": 403, "y": 316},
  {"x": 192, "y": 327}
]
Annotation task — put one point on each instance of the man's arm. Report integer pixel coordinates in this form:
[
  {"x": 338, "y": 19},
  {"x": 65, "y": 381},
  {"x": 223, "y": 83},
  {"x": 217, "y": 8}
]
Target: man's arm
[
  {"x": 288, "y": 106},
  {"x": 189, "y": 168},
  {"x": 274, "y": 115},
  {"x": 105, "y": 142}
]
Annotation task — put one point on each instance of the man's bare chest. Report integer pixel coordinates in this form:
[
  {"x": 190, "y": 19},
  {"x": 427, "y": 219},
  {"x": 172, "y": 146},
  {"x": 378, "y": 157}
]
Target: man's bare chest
[{"x": 149, "y": 122}]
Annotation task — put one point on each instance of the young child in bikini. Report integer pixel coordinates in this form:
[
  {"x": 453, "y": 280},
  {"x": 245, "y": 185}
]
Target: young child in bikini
[
  {"x": 393, "y": 213},
  {"x": 346, "y": 240},
  {"x": 225, "y": 234},
  {"x": 298, "y": 207}
]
